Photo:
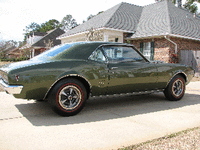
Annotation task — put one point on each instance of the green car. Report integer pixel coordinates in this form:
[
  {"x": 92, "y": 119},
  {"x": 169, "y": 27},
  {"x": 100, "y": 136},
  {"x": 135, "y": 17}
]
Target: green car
[{"x": 67, "y": 75}]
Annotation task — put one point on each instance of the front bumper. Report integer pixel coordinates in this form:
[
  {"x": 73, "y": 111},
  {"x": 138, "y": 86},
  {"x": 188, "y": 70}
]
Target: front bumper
[{"x": 11, "y": 89}]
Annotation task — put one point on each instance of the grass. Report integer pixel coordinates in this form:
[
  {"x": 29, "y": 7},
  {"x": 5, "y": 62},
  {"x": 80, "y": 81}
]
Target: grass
[{"x": 163, "y": 141}]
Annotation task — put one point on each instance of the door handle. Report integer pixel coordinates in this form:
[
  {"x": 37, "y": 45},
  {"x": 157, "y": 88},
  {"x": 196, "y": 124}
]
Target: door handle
[{"x": 113, "y": 68}]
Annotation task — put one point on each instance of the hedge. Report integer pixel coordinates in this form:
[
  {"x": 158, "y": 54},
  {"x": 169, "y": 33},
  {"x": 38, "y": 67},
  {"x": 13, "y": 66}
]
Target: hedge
[{"x": 14, "y": 59}]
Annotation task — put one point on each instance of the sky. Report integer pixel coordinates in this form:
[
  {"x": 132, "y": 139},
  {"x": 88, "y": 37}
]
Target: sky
[{"x": 15, "y": 15}]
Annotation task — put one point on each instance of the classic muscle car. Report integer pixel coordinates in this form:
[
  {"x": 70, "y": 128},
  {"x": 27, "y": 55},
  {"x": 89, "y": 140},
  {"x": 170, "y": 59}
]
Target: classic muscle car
[{"x": 68, "y": 74}]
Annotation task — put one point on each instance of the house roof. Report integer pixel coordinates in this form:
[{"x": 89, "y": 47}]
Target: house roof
[
  {"x": 37, "y": 33},
  {"x": 164, "y": 18},
  {"x": 158, "y": 19},
  {"x": 123, "y": 16},
  {"x": 50, "y": 35}
]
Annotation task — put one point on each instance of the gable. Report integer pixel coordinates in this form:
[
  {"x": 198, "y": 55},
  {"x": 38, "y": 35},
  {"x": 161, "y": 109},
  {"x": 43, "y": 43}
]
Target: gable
[{"x": 52, "y": 36}]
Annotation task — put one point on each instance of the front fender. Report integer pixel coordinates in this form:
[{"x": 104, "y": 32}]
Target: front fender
[{"x": 166, "y": 72}]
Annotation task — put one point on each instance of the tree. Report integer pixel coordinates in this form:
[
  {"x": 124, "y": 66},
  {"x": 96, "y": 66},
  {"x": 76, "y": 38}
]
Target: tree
[
  {"x": 179, "y": 2},
  {"x": 94, "y": 35},
  {"x": 5, "y": 46},
  {"x": 173, "y": 1},
  {"x": 33, "y": 27},
  {"x": 191, "y": 5},
  {"x": 195, "y": 1},
  {"x": 91, "y": 16},
  {"x": 68, "y": 22},
  {"x": 49, "y": 25},
  {"x": 44, "y": 27}
]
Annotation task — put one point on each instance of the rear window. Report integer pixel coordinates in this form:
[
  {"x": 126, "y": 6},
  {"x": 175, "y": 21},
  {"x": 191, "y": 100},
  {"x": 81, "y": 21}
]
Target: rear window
[{"x": 53, "y": 51}]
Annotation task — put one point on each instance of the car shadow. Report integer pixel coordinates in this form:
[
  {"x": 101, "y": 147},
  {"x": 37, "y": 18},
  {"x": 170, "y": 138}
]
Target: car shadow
[{"x": 104, "y": 108}]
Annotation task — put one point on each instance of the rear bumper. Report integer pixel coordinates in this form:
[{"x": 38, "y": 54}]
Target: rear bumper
[{"x": 11, "y": 89}]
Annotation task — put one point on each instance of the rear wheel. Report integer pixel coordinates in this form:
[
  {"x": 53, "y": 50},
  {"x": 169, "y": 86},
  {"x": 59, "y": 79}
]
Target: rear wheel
[
  {"x": 175, "y": 89},
  {"x": 68, "y": 97}
]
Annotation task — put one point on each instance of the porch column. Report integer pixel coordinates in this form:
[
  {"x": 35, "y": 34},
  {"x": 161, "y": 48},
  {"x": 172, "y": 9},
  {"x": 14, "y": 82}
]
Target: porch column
[
  {"x": 33, "y": 53},
  {"x": 106, "y": 37}
]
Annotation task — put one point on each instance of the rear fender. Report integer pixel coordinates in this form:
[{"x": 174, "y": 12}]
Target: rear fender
[{"x": 79, "y": 77}]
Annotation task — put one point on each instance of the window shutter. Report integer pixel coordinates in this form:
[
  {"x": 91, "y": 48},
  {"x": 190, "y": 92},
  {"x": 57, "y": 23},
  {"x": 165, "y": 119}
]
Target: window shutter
[
  {"x": 152, "y": 51},
  {"x": 141, "y": 48}
]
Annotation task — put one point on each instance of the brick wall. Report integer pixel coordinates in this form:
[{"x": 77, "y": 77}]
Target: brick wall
[
  {"x": 184, "y": 44},
  {"x": 161, "y": 48},
  {"x": 164, "y": 50}
]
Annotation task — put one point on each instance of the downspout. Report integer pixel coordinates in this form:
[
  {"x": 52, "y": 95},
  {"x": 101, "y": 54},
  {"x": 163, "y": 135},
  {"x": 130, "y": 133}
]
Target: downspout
[{"x": 172, "y": 43}]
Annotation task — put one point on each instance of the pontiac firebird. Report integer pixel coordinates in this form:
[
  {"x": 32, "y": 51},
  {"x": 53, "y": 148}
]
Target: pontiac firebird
[{"x": 68, "y": 74}]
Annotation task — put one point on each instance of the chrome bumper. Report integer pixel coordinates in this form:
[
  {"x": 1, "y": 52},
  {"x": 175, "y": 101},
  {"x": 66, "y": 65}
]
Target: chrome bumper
[{"x": 11, "y": 89}]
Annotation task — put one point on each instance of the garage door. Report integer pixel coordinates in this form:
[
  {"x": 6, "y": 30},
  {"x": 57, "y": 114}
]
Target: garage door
[{"x": 191, "y": 58}]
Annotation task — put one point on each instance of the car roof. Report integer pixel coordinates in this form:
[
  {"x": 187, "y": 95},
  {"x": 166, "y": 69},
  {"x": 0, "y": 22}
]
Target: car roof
[{"x": 82, "y": 50}]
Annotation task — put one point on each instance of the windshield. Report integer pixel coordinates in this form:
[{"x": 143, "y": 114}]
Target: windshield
[{"x": 53, "y": 51}]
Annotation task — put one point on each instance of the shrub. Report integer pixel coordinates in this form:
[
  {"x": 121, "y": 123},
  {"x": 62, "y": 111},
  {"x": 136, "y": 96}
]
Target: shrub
[{"x": 14, "y": 59}]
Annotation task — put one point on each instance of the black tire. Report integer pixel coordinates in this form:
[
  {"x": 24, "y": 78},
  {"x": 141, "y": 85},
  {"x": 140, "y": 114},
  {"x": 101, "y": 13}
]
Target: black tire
[
  {"x": 175, "y": 89},
  {"x": 68, "y": 97},
  {"x": 39, "y": 100}
]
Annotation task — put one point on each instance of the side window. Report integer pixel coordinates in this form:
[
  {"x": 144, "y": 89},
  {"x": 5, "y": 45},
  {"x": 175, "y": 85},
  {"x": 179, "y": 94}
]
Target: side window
[
  {"x": 97, "y": 55},
  {"x": 147, "y": 49},
  {"x": 122, "y": 53}
]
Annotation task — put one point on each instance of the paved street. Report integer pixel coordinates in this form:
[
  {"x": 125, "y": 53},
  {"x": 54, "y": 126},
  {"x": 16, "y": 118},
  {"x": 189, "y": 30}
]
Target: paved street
[{"x": 104, "y": 123}]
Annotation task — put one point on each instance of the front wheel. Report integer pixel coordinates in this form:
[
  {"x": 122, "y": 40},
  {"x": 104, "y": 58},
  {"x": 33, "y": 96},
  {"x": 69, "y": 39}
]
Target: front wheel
[
  {"x": 175, "y": 89},
  {"x": 68, "y": 97}
]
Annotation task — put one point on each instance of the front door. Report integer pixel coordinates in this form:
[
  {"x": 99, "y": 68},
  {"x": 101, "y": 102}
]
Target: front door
[{"x": 129, "y": 71}]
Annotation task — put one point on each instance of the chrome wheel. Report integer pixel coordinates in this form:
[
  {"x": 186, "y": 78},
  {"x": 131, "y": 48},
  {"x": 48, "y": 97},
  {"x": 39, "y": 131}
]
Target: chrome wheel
[
  {"x": 69, "y": 97},
  {"x": 177, "y": 87}
]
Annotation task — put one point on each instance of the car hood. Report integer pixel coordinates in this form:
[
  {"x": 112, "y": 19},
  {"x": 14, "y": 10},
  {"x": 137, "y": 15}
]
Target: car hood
[{"x": 22, "y": 64}]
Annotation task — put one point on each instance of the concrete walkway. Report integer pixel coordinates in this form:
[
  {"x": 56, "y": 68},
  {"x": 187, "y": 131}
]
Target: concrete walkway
[{"x": 105, "y": 123}]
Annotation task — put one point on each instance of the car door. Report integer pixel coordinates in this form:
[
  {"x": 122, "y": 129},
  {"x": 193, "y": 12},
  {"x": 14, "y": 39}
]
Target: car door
[{"x": 129, "y": 71}]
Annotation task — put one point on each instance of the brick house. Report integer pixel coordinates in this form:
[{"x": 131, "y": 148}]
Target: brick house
[
  {"x": 36, "y": 43},
  {"x": 161, "y": 31},
  {"x": 166, "y": 33}
]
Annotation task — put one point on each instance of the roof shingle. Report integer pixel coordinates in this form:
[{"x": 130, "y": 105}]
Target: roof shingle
[
  {"x": 164, "y": 18},
  {"x": 158, "y": 19},
  {"x": 123, "y": 16}
]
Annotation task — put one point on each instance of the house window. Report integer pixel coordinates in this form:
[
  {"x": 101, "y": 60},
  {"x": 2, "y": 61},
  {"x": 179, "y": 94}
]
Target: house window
[
  {"x": 97, "y": 55},
  {"x": 147, "y": 49}
]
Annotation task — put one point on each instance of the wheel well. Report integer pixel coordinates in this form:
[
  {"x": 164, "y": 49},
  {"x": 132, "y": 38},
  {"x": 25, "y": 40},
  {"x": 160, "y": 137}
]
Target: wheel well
[
  {"x": 82, "y": 80},
  {"x": 183, "y": 75}
]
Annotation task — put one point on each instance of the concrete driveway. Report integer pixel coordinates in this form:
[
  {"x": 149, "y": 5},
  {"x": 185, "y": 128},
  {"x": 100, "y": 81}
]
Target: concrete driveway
[{"x": 104, "y": 123}]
